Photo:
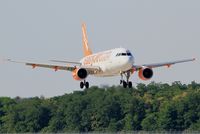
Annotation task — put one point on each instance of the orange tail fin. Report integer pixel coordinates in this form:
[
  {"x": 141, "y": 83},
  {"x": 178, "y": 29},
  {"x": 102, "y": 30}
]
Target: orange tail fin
[{"x": 86, "y": 49}]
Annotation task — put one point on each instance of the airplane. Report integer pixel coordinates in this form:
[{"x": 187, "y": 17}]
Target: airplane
[{"x": 114, "y": 62}]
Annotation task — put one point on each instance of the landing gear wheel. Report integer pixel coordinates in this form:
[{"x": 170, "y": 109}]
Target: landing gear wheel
[
  {"x": 130, "y": 84},
  {"x": 124, "y": 84},
  {"x": 81, "y": 85},
  {"x": 121, "y": 81},
  {"x": 87, "y": 85}
]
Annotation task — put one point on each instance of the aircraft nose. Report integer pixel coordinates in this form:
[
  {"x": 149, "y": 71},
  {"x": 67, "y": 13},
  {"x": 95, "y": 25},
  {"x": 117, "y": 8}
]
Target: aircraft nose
[{"x": 129, "y": 60}]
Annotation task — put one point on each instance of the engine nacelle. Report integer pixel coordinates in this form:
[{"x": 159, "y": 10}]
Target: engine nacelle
[
  {"x": 145, "y": 73},
  {"x": 79, "y": 73}
]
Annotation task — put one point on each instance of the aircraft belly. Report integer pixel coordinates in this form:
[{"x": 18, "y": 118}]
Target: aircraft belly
[
  {"x": 111, "y": 71},
  {"x": 112, "y": 68}
]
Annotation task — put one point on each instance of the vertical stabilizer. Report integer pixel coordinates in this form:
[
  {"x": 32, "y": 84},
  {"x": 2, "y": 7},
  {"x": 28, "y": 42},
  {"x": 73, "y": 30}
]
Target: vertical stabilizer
[{"x": 86, "y": 49}]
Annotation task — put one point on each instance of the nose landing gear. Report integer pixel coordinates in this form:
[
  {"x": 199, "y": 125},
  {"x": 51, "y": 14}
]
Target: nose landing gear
[
  {"x": 127, "y": 82},
  {"x": 84, "y": 83}
]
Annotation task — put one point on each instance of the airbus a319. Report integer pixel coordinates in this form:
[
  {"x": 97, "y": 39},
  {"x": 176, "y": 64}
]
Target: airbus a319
[{"x": 115, "y": 62}]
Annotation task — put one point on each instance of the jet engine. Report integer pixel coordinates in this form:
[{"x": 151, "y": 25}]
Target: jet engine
[
  {"x": 145, "y": 73},
  {"x": 79, "y": 73}
]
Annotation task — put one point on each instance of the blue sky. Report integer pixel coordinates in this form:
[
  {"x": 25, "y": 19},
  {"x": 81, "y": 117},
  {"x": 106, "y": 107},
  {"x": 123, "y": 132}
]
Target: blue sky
[{"x": 154, "y": 30}]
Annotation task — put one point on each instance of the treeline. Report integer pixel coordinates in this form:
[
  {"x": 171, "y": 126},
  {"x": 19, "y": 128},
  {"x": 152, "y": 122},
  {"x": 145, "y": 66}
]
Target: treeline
[{"x": 152, "y": 107}]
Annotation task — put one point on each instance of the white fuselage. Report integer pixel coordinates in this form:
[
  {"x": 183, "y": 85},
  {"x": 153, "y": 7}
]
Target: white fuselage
[{"x": 112, "y": 62}]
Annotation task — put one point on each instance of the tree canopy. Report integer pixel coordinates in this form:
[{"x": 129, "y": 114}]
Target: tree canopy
[{"x": 152, "y": 107}]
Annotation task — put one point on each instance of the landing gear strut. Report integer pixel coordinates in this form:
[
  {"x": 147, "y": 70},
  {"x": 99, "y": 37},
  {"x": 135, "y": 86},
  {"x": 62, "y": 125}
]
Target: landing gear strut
[
  {"x": 127, "y": 82},
  {"x": 84, "y": 83}
]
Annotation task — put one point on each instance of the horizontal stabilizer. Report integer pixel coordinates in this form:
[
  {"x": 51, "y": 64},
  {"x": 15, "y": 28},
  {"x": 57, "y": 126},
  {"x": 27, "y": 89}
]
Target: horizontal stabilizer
[{"x": 69, "y": 62}]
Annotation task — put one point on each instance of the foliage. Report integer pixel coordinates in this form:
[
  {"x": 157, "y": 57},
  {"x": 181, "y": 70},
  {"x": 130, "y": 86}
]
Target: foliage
[{"x": 152, "y": 107}]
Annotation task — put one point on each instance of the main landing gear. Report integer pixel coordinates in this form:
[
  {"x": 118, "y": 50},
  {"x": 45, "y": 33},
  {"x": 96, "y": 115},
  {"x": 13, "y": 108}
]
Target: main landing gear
[
  {"x": 84, "y": 83},
  {"x": 126, "y": 83}
]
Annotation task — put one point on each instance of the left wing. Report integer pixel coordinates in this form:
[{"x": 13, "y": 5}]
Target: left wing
[
  {"x": 167, "y": 64},
  {"x": 70, "y": 66}
]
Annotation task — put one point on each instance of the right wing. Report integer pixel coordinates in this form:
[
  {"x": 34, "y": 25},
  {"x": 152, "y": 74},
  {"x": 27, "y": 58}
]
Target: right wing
[
  {"x": 51, "y": 66},
  {"x": 71, "y": 66}
]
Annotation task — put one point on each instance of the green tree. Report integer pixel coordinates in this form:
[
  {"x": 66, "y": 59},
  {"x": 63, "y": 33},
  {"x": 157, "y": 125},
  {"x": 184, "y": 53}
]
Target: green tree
[
  {"x": 150, "y": 122},
  {"x": 26, "y": 116},
  {"x": 152, "y": 107}
]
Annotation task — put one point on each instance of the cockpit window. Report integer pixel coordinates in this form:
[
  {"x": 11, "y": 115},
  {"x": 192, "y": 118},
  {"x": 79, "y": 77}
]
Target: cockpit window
[
  {"x": 124, "y": 54},
  {"x": 129, "y": 54}
]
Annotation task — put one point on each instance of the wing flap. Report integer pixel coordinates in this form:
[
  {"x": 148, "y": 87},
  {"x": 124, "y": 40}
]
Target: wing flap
[{"x": 55, "y": 67}]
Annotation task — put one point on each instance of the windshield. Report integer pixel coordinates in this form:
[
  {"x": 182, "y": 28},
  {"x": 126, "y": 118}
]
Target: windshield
[{"x": 124, "y": 54}]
